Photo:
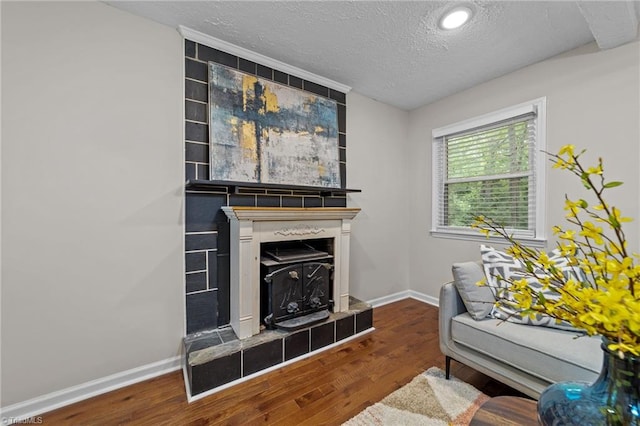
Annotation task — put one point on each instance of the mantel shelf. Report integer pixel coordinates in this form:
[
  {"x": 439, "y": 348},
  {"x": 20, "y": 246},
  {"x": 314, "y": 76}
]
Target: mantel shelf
[{"x": 232, "y": 187}]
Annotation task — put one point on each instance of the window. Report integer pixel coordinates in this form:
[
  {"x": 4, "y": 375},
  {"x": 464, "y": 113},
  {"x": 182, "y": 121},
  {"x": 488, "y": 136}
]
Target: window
[{"x": 491, "y": 165}]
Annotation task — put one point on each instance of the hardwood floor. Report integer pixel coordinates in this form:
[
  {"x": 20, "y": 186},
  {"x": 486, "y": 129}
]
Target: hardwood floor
[{"x": 328, "y": 388}]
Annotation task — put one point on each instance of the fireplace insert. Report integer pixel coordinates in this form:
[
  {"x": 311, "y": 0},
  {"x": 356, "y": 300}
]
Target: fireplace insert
[{"x": 297, "y": 283}]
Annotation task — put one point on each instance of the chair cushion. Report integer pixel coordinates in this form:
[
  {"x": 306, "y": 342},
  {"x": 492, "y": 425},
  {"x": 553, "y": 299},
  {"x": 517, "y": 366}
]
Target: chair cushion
[
  {"x": 477, "y": 299},
  {"x": 550, "y": 354}
]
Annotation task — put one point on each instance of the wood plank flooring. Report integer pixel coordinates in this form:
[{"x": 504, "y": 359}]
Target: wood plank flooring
[{"x": 328, "y": 388}]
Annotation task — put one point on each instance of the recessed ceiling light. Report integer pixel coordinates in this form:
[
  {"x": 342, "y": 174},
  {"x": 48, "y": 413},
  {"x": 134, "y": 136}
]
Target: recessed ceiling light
[{"x": 455, "y": 18}]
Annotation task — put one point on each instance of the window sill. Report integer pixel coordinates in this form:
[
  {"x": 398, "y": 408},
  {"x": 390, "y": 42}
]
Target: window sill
[{"x": 476, "y": 236}]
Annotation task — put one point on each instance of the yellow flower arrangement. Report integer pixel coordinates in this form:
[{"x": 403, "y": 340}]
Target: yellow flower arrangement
[{"x": 605, "y": 300}]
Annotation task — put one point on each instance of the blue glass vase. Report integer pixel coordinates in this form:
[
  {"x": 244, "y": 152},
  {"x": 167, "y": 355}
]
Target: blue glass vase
[{"x": 613, "y": 399}]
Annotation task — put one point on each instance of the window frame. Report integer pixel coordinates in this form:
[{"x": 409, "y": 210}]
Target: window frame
[{"x": 538, "y": 106}]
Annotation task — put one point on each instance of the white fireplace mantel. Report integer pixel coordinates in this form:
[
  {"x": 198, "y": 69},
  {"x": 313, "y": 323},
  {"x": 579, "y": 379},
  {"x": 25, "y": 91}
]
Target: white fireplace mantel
[{"x": 252, "y": 226}]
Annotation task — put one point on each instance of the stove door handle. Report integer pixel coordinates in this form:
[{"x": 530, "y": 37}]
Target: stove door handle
[
  {"x": 320, "y": 265},
  {"x": 292, "y": 273}
]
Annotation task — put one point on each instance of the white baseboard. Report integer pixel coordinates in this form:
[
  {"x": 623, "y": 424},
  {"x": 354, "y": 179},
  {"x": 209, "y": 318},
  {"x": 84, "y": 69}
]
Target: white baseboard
[
  {"x": 384, "y": 300},
  {"x": 424, "y": 298},
  {"x": 45, "y": 403}
]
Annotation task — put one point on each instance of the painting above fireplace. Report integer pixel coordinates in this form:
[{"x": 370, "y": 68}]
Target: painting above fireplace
[{"x": 265, "y": 132}]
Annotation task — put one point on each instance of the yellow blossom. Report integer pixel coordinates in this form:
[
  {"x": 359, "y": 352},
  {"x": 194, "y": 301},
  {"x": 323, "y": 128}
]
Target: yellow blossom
[
  {"x": 616, "y": 218},
  {"x": 572, "y": 207},
  {"x": 614, "y": 248},
  {"x": 567, "y": 235},
  {"x": 595, "y": 170},
  {"x": 569, "y": 249},
  {"x": 600, "y": 207},
  {"x": 567, "y": 150},
  {"x": 589, "y": 230}
]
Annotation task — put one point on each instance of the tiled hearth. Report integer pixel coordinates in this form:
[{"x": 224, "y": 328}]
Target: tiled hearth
[{"x": 217, "y": 359}]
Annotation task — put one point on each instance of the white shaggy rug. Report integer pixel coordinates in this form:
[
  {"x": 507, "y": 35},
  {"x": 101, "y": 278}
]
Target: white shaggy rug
[{"x": 429, "y": 399}]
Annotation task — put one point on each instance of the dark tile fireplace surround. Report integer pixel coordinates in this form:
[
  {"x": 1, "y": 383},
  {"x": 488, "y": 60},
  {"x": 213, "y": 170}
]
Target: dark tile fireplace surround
[{"x": 214, "y": 355}]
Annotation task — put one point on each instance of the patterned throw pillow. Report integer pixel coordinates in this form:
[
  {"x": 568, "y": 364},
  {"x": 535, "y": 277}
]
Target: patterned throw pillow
[{"x": 500, "y": 264}]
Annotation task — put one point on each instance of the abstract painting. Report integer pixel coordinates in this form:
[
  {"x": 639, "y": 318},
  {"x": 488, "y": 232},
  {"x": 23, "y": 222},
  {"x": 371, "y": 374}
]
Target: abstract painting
[{"x": 265, "y": 132}]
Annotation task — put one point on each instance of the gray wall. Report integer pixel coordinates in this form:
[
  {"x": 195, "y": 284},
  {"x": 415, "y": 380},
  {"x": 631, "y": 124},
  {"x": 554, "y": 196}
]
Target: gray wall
[
  {"x": 593, "y": 102},
  {"x": 377, "y": 164},
  {"x": 92, "y": 183}
]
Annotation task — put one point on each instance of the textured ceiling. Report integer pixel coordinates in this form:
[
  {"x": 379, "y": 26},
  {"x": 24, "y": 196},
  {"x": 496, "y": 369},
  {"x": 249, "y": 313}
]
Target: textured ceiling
[{"x": 393, "y": 51}]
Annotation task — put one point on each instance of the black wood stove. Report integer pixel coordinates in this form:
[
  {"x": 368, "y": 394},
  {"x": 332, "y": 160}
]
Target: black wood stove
[{"x": 297, "y": 283}]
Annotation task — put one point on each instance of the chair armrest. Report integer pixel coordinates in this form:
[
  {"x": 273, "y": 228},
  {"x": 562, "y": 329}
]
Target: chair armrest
[{"x": 450, "y": 305}]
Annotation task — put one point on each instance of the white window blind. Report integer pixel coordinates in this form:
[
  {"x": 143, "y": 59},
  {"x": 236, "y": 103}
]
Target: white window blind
[{"x": 489, "y": 166}]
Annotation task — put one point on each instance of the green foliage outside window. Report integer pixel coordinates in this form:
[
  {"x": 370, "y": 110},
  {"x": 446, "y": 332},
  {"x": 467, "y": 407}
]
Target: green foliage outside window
[{"x": 488, "y": 173}]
